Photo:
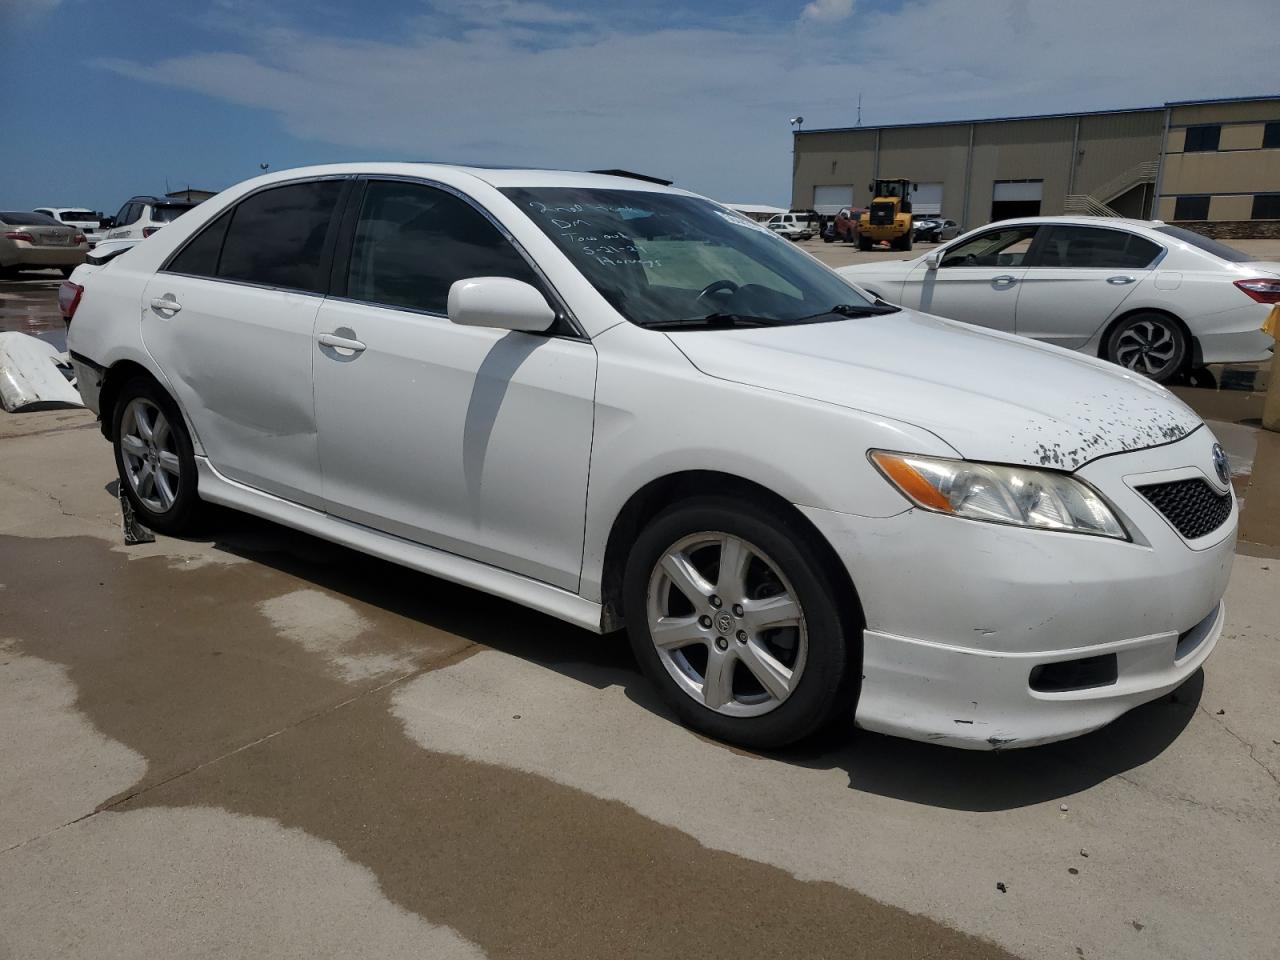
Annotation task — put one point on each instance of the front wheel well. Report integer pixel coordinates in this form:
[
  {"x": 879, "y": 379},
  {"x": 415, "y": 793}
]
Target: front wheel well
[
  {"x": 117, "y": 375},
  {"x": 1193, "y": 351},
  {"x": 657, "y": 495}
]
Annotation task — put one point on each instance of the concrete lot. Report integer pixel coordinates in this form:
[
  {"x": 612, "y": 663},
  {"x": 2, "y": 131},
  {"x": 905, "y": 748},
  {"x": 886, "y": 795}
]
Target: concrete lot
[{"x": 259, "y": 744}]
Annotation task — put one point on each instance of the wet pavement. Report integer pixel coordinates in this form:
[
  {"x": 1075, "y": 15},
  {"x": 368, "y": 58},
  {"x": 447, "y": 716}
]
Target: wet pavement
[
  {"x": 255, "y": 743},
  {"x": 29, "y": 304}
]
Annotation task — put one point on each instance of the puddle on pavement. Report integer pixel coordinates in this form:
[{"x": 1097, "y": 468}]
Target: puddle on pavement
[
  {"x": 30, "y": 305},
  {"x": 183, "y": 667}
]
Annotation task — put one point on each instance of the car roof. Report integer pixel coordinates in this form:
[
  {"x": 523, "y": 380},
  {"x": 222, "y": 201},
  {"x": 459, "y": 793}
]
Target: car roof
[
  {"x": 1080, "y": 221},
  {"x": 498, "y": 177},
  {"x": 163, "y": 201}
]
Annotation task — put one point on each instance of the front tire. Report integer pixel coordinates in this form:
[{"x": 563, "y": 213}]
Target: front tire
[
  {"x": 864, "y": 243},
  {"x": 154, "y": 457},
  {"x": 737, "y": 624},
  {"x": 1153, "y": 344}
]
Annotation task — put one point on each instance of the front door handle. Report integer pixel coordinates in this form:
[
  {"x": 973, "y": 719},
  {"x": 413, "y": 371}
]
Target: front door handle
[
  {"x": 166, "y": 304},
  {"x": 1004, "y": 281},
  {"x": 1120, "y": 281},
  {"x": 340, "y": 343}
]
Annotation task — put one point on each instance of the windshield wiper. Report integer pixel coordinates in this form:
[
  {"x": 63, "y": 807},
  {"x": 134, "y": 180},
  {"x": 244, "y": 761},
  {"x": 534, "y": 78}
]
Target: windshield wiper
[
  {"x": 856, "y": 310},
  {"x": 714, "y": 321}
]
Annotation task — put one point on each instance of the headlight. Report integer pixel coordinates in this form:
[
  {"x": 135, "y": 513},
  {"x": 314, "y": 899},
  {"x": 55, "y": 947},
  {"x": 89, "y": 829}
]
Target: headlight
[{"x": 1040, "y": 499}]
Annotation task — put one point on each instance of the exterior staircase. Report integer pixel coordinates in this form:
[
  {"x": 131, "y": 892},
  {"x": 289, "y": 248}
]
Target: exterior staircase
[{"x": 1095, "y": 204}]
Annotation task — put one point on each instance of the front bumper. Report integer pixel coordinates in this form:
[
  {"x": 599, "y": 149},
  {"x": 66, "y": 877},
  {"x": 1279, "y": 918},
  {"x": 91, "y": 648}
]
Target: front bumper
[{"x": 959, "y": 612}]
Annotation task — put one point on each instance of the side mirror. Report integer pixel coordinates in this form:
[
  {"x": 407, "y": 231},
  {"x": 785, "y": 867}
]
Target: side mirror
[
  {"x": 933, "y": 259},
  {"x": 499, "y": 302}
]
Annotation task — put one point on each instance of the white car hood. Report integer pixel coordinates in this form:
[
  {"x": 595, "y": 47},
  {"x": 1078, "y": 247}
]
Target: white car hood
[{"x": 991, "y": 396}]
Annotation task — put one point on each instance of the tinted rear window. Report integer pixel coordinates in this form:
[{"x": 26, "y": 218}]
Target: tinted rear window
[
  {"x": 79, "y": 216},
  {"x": 199, "y": 258},
  {"x": 277, "y": 237},
  {"x": 1207, "y": 244},
  {"x": 17, "y": 218},
  {"x": 167, "y": 212}
]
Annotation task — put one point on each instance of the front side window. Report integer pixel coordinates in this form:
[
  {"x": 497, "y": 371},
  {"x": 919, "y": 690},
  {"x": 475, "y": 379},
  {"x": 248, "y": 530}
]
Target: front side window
[
  {"x": 998, "y": 248},
  {"x": 1092, "y": 247},
  {"x": 277, "y": 236},
  {"x": 1203, "y": 138},
  {"x": 664, "y": 259},
  {"x": 413, "y": 242}
]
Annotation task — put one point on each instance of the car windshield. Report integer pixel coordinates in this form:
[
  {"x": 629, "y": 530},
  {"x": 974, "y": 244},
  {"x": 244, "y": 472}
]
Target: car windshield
[
  {"x": 165, "y": 213},
  {"x": 16, "y": 218},
  {"x": 663, "y": 259},
  {"x": 1208, "y": 245}
]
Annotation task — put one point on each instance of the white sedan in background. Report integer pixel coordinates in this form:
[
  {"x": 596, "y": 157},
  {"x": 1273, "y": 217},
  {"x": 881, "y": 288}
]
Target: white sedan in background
[
  {"x": 627, "y": 406},
  {"x": 1152, "y": 297}
]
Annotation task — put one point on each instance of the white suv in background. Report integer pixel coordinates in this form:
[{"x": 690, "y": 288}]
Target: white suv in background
[
  {"x": 793, "y": 226},
  {"x": 625, "y": 405},
  {"x": 88, "y": 222},
  {"x": 142, "y": 216}
]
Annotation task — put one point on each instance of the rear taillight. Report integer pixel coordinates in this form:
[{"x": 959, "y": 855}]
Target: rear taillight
[
  {"x": 148, "y": 231},
  {"x": 19, "y": 235},
  {"x": 69, "y": 295},
  {"x": 79, "y": 238},
  {"x": 1262, "y": 290}
]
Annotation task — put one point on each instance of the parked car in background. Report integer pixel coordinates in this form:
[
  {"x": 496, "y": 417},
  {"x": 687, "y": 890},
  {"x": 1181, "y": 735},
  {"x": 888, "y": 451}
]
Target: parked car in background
[
  {"x": 89, "y": 222},
  {"x": 930, "y": 229},
  {"x": 142, "y": 216},
  {"x": 793, "y": 226},
  {"x": 844, "y": 226},
  {"x": 625, "y": 405},
  {"x": 36, "y": 241},
  {"x": 1152, "y": 297}
]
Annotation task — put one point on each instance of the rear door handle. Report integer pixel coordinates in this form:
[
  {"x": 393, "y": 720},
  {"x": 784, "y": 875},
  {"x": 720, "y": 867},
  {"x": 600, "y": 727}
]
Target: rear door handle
[
  {"x": 1004, "y": 281},
  {"x": 166, "y": 304},
  {"x": 341, "y": 343},
  {"x": 1120, "y": 281}
]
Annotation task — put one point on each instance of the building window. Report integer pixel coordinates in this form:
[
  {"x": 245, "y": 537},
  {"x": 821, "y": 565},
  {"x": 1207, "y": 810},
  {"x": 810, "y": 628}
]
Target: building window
[
  {"x": 1202, "y": 139},
  {"x": 1266, "y": 206},
  {"x": 1191, "y": 208},
  {"x": 1271, "y": 134}
]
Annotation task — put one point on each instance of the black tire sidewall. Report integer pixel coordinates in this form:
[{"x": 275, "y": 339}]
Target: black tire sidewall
[
  {"x": 825, "y": 689},
  {"x": 1174, "y": 328},
  {"x": 181, "y": 516}
]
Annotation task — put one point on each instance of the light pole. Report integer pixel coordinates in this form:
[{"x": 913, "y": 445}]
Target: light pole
[{"x": 796, "y": 124}]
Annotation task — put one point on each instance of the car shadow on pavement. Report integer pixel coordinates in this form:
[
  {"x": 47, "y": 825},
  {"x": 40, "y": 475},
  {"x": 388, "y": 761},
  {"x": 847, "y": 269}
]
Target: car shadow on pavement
[{"x": 920, "y": 773}]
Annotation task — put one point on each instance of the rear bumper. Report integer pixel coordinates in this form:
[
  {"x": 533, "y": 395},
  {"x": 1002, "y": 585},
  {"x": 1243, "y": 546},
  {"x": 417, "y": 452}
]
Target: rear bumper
[
  {"x": 1235, "y": 336},
  {"x": 28, "y": 256}
]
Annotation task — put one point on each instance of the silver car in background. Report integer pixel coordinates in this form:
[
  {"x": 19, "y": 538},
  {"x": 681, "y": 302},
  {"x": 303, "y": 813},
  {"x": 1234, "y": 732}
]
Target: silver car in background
[{"x": 36, "y": 241}]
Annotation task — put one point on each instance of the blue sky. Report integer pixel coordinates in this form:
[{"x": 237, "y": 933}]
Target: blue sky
[{"x": 115, "y": 97}]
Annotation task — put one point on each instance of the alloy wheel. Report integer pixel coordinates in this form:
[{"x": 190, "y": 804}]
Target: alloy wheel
[
  {"x": 726, "y": 624},
  {"x": 1146, "y": 347},
  {"x": 149, "y": 452}
]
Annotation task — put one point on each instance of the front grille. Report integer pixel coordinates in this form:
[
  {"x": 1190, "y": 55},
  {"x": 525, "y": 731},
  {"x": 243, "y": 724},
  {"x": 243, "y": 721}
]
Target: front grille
[
  {"x": 1192, "y": 506},
  {"x": 882, "y": 214}
]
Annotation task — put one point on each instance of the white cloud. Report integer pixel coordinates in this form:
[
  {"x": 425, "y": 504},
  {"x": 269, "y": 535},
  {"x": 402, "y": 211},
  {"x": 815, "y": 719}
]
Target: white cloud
[
  {"x": 708, "y": 106},
  {"x": 827, "y": 10}
]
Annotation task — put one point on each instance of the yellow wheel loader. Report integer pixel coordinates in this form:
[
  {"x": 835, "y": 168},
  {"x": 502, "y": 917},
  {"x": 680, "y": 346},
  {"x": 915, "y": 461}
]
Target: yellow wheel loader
[{"x": 888, "y": 218}]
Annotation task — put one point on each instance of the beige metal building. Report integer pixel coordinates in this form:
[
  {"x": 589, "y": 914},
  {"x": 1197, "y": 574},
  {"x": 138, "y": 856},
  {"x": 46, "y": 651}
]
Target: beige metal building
[{"x": 1215, "y": 162}]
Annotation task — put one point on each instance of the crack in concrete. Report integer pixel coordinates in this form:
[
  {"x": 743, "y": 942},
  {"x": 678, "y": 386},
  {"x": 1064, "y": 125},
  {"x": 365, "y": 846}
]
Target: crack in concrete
[
  {"x": 119, "y": 799},
  {"x": 1250, "y": 748}
]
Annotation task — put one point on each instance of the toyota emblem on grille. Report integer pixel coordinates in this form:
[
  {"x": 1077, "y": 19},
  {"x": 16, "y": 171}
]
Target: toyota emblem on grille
[{"x": 1220, "y": 464}]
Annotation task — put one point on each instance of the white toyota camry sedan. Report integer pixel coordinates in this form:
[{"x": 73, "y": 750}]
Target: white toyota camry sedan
[
  {"x": 624, "y": 405},
  {"x": 1149, "y": 296}
]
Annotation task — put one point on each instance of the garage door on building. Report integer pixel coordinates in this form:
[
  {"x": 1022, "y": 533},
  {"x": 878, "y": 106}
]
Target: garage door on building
[
  {"x": 1016, "y": 198},
  {"x": 829, "y": 201},
  {"x": 927, "y": 199}
]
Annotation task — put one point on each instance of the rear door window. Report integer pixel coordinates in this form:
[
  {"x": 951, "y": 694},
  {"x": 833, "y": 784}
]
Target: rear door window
[
  {"x": 1092, "y": 247},
  {"x": 412, "y": 242},
  {"x": 277, "y": 237},
  {"x": 199, "y": 258}
]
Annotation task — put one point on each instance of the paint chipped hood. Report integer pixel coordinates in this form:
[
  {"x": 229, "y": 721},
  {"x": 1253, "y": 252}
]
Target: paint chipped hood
[{"x": 991, "y": 396}]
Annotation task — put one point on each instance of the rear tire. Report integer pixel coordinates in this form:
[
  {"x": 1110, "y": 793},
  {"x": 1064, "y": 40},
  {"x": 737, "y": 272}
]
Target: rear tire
[
  {"x": 154, "y": 457},
  {"x": 808, "y": 665},
  {"x": 1152, "y": 344}
]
